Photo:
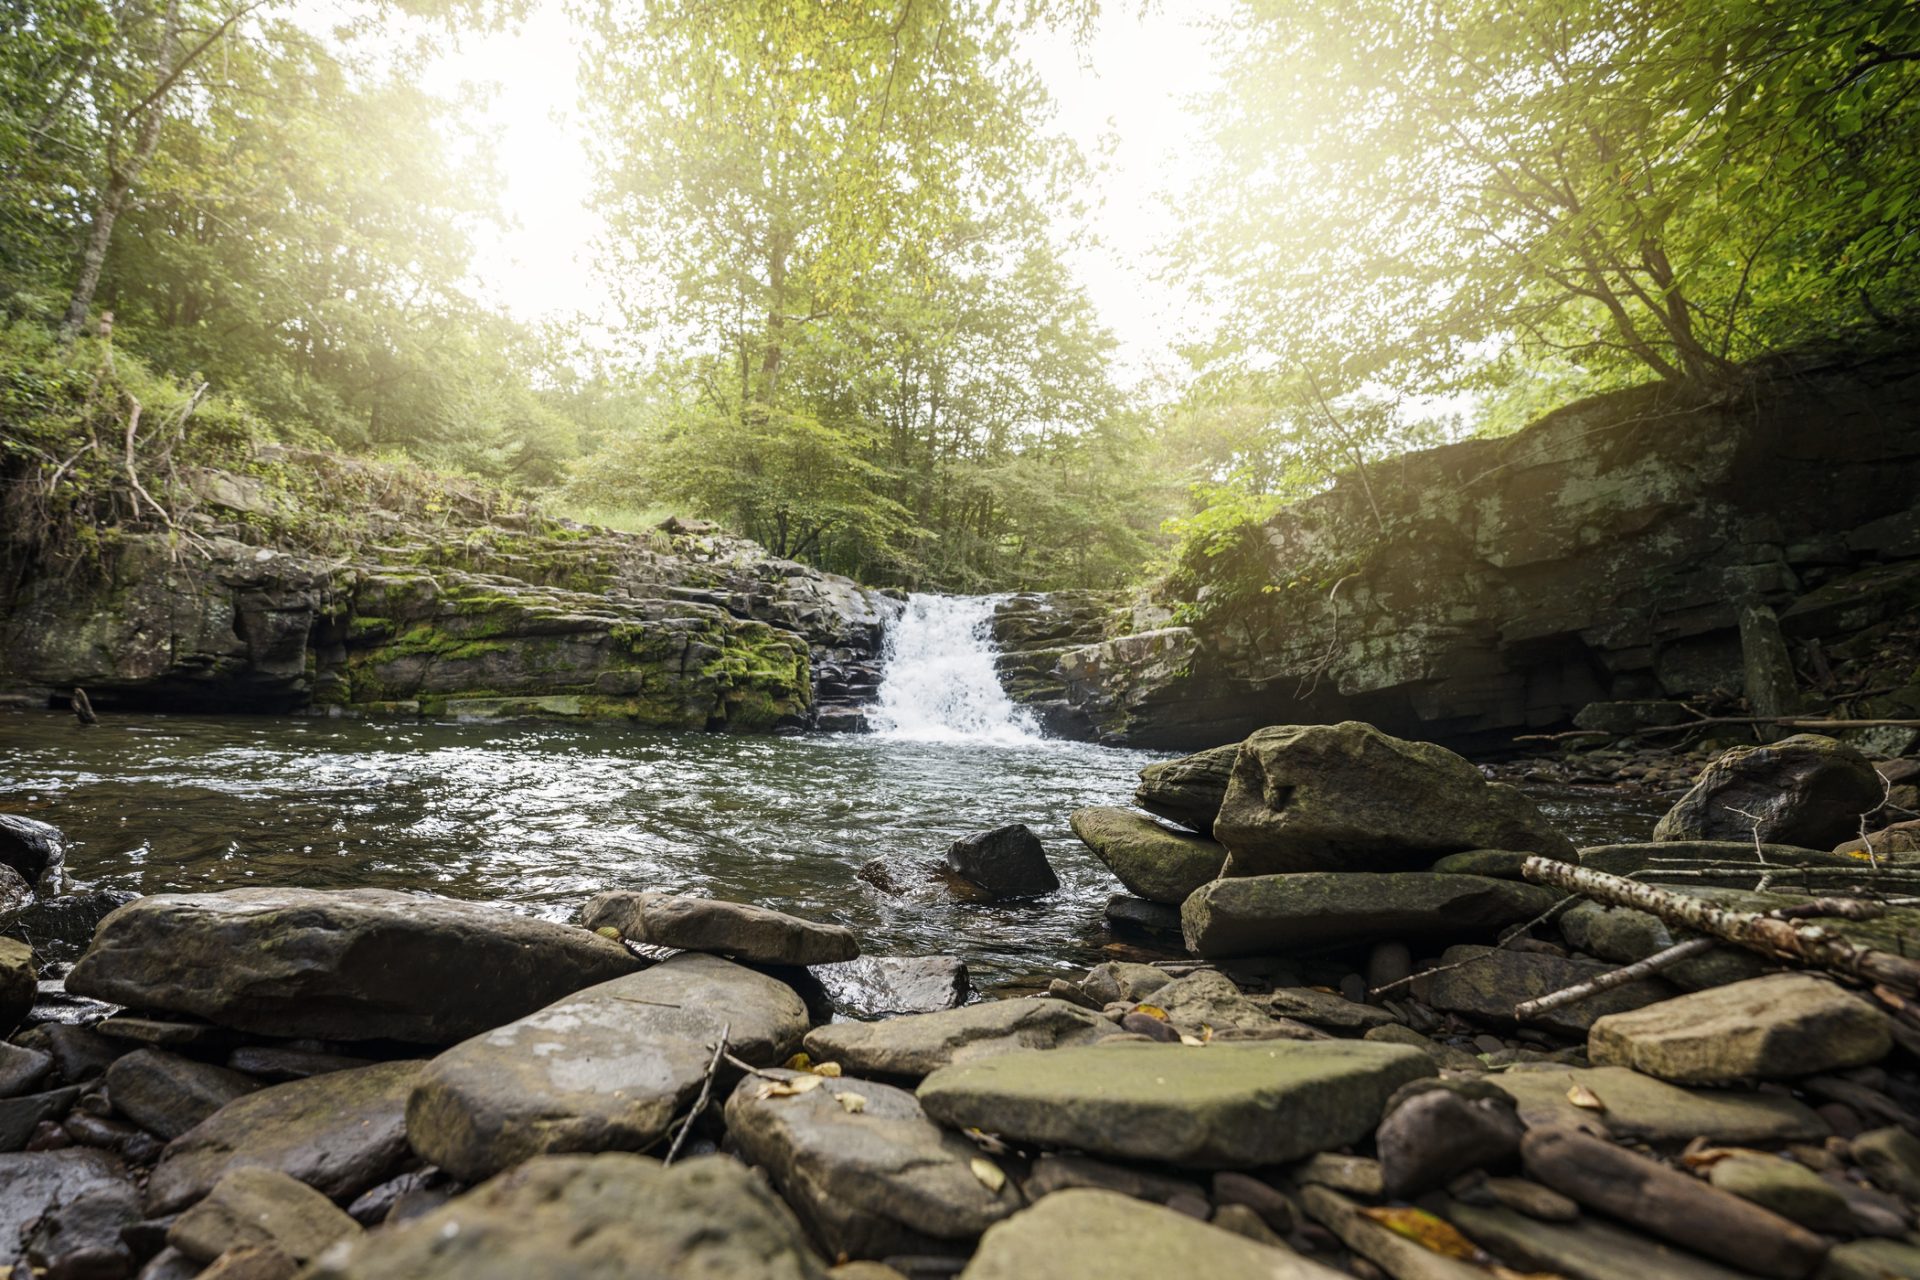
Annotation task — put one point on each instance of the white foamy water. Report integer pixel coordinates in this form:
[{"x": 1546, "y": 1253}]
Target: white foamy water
[{"x": 938, "y": 684}]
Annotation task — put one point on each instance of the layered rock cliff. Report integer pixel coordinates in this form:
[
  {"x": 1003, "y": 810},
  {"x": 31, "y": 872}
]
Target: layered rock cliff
[{"x": 1472, "y": 592}]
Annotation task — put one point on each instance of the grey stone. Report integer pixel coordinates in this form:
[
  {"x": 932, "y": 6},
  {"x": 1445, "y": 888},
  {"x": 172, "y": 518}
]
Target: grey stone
[
  {"x": 15, "y": 897},
  {"x": 1891, "y": 1157},
  {"x": 601, "y": 1217},
  {"x": 1007, "y": 862},
  {"x": 1430, "y": 1135},
  {"x": 1487, "y": 982},
  {"x": 1791, "y": 1190},
  {"x": 1625, "y": 717},
  {"x": 167, "y": 1095},
  {"x": 1391, "y": 1252},
  {"x": 1056, "y": 1172},
  {"x": 1128, "y": 913},
  {"x": 1099, "y": 1235},
  {"x": 1220, "y": 1106},
  {"x": 605, "y": 1069},
  {"x": 1153, "y": 862},
  {"x": 878, "y": 986},
  {"x": 31, "y": 848},
  {"x": 20, "y": 1116},
  {"x": 34, "y": 1182},
  {"x": 1347, "y": 797},
  {"x": 1260, "y": 915},
  {"x": 1445, "y": 1056},
  {"x": 743, "y": 932},
  {"x": 1325, "y": 1009},
  {"x": 1531, "y": 1199},
  {"x": 19, "y": 982},
  {"x": 1779, "y": 1026},
  {"x": 81, "y": 1053},
  {"x": 338, "y": 1133},
  {"x": 1624, "y": 936},
  {"x": 351, "y": 964},
  {"x": 1359, "y": 1175},
  {"x": 1639, "y": 1108},
  {"x": 284, "y": 1062},
  {"x": 1805, "y": 790},
  {"x": 912, "y": 1046},
  {"x": 252, "y": 1207},
  {"x": 1115, "y": 980},
  {"x": 21, "y": 1068},
  {"x": 82, "y": 1237},
  {"x": 1589, "y": 1249},
  {"x": 1499, "y": 864},
  {"x": 864, "y": 1168},
  {"x": 1188, "y": 790},
  {"x": 1208, "y": 999}
]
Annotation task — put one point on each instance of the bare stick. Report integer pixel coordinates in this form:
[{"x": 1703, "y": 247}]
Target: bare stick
[
  {"x": 1769, "y": 935},
  {"x": 1653, "y": 964},
  {"x": 1550, "y": 913},
  {"x": 706, "y": 1092}
]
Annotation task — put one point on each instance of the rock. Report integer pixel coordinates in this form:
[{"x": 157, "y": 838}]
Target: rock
[
  {"x": 1589, "y": 1249},
  {"x": 1347, "y": 797},
  {"x": 36, "y": 1182},
  {"x": 1222, "y": 1106},
  {"x": 19, "y": 1117},
  {"x": 753, "y": 935},
  {"x": 600, "y": 1217},
  {"x": 864, "y": 1168},
  {"x": 1805, "y": 790},
  {"x": 338, "y": 1133},
  {"x": 81, "y": 1053},
  {"x": 1394, "y": 1254},
  {"x": 1872, "y": 1260},
  {"x": 1273, "y": 1206},
  {"x": 1259, "y": 915},
  {"x": 1891, "y": 1157},
  {"x": 167, "y": 1095},
  {"x": 19, "y": 983},
  {"x": 1355, "y": 1174},
  {"x": 1624, "y": 936},
  {"x": 605, "y": 1069},
  {"x": 1445, "y": 1056},
  {"x": 1490, "y": 981},
  {"x": 350, "y": 964},
  {"x": 15, "y": 896},
  {"x": 1055, "y": 1172},
  {"x": 1242, "y": 1221},
  {"x": 1623, "y": 718},
  {"x": 1152, "y": 861},
  {"x": 1775, "y": 1027},
  {"x": 167, "y": 1033},
  {"x": 64, "y": 925},
  {"x": 1188, "y": 790},
  {"x": 32, "y": 849},
  {"x": 1098, "y": 1235},
  {"x": 911, "y": 1047},
  {"x": 1530, "y": 1198},
  {"x": 1120, "y": 980},
  {"x": 252, "y": 1262},
  {"x": 1771, "y": 688},
  {"x": 1900, "y": 840},
  {"x": 1209, "y": 998},
  {"x": 255, "y": 1207},
  {"x": 1671, "y": 1204},
  {"x": 886, "y": 986},
  {"x": 1791, "y": 1190},
  {"x": 1007, "y": 862},
  {"x": 1325, "y": 1009},
  {"x": 1127, "y": 913},
  {"x": 1430, "y": 1135},
  {"x": 21, "y": 1069},
  {"x": 1499, "y": 864},
  {"x": 284, "y": 1062},
  {"x": 82, "y": 1237},
  {"x": 170, "y": 1264},
  {"x": 1637, "y": 1108}
]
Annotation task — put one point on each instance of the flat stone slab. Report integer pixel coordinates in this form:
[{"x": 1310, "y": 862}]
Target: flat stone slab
[
  {"x": 605, "y": 1069},
  {"x": 1487, "y": 982},
  {"x": 1188, "y": 790},
  {"x": 1590, "y": 1249},
  {"x": 1218, "y": 1106},
  {"x": 910, "y": 1047},
  {"x": 258, "y": 1207},
  {"x": 1262, "y": 915},
  {"x": 350, "y": 964},
  {"x": 1154, "y": 862},
  {"x": 167, "y": 1094},
  {"x": 753, "y": 934},
  {"x": 882, "y": 986},
  {"x": 1770, "y": 1028},
  {"x": 1085, "y": 1234},
  {"x": 339, "y": 1133},
  {"x": 1640, "y": 1108},
  {"x": 866, "y": 1170},
  {"x": 601, "y": 1217}
]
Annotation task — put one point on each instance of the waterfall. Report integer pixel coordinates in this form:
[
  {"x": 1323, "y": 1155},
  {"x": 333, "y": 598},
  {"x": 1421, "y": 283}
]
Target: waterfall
[{"x": 938, "y": 683}]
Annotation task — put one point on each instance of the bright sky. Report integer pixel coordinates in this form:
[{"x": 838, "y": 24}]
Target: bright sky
[{"x": 1124, "y": 99}]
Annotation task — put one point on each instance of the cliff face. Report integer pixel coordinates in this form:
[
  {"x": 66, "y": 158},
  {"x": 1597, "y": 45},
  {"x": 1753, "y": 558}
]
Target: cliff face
[
  {"x": 683, "y": 627},
  {"x": 1607, "y": 552}
]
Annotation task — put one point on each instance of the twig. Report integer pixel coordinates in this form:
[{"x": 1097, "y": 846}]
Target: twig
[
  {"x": 1653, "y": 964},
  {"x": 706, "y": 1092},
  {"x": 750, "y": 1069},
  {"x": 1521, "y": 932}
]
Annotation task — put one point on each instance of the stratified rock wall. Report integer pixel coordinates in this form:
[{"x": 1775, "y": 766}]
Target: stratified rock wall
[{"x": 1604, "y": 553}]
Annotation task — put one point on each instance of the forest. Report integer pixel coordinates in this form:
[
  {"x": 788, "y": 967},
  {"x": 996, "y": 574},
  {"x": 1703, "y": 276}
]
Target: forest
[{"x": 838, "y": 240}]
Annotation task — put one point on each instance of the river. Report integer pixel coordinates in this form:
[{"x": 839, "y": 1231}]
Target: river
[{"x": 537, "y": 816}]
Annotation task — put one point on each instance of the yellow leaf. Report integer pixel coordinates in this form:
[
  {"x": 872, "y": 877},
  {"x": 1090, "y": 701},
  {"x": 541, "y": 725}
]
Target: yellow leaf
[
  {"x": 798, "y": 1062},
  {"x": 1436, "y": 1235},
  {"x": 1151, "y": 1010},
  {"x": 608, "y": 931},
  {"x": 851, "y": 1103},
  {"x": 788, "y": 1088},
  {"x": 1584, "y": 1098},
  {"x": 831, "y": 1070},
  {"x": 991, "y": 1176}
]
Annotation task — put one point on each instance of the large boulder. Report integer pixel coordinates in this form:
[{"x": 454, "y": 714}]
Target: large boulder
[
  {"x": 1152, "y": 861},
  {"x": 1805, "y": 790},
  {"x": 1006, "y": 862},
  {"x": 1188, "y": 790},
  {"x": 747, "y": 933},
  {"x": 1774, "y": 1027},
  {"x": 605, "y": 1069},
  {"x": 1347, "y": 797},
  {"x": 351, "y": 964},
  {"x": 32, "y": 848},
  {"x": 601, "y": 1217},
  {"x": 1219, "y": 1106},
  {"x": 1259, "y": 915},
  {"x": 910, "y": 1047},
  {"x": 864, "y": 1167}
]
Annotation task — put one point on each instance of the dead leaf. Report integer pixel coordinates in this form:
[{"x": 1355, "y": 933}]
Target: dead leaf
[
  {"x": 1192, "y": 1040},
  {"x": 991, "y": 1176},
  {"x": 798, "y": 1062},
  {"x": 851, "y": 1103},
  {"x": 1584, "y": 1098},
  {"x": 1434, "y": 1234},
  {"x": 788, "y": 1088},
  {"x": 1151, "y": 1010},
  {"x": 831, "y": 1070}
]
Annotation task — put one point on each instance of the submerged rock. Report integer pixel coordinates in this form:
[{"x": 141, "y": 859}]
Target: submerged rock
[
  {"x": 1188, "y": 790},
  {"x": 1218, "y": 1106},
  {"x": 1805, "y": 790},
  {"x": 1152, "y": 861},
  {"x": 911, "y": 1047},
  {"x": 32, "y": 848},
  {"x": 1774, "y": 1027},
  {"x": 1347, "y": 797},
  {"x": 1259, "y": 915},
  {"x": 601, "y": 1217},
  {"x": 1007, "y": 862},
  {"x": 747, "y": 933},
  {"x": 605, "y": 1069},
  {"x": 350, "y": 964}
]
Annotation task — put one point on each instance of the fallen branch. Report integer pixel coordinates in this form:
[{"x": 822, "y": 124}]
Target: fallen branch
[
  {"x": 1519, "y": 932},
  {"x": 706, "y": 1092},
  {"x": 1653, "y": 964},
  {"x": 1782, "y": 722},
  {"x": 1768, "y": 934}
]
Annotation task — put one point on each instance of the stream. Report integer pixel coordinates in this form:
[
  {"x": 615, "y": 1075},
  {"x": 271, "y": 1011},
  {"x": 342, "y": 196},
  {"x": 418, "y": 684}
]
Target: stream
[{"x": 537, "y": 816}]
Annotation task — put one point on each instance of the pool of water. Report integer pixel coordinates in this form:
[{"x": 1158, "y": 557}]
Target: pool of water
[{"x": 538, "y": 817}]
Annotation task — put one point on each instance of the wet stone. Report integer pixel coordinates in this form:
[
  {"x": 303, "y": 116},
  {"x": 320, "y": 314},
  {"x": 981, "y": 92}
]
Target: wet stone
[
  {"x": 167, "y": 1095},
  {"x": 883, "y": 986},
  {"x": 911, "y": 1047},
  {"x": 1262, "y": 915},
  {"x": 34, "y": 1182},
  {"x": 19, "y": 982},
  {"x": 19, "y": 1117},
  {"x": 21, "y": 1069},
  {"x": 1007, "y": 862},
  {"x": 750, "y": 934},
  {"x": 1153, "y": 862}
]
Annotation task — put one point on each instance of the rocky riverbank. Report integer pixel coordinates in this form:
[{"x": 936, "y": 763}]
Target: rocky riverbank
[{"x": 1384, "y": 1039}]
